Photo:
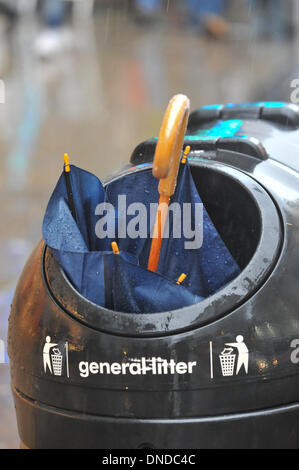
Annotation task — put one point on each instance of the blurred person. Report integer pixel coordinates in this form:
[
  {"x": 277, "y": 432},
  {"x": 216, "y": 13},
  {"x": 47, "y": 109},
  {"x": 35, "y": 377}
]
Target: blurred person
[
  {"x": 209, "y": 16},
  {"x": 8, "y": 19},
  {"x": 147, "y": 10},
  {"x": 9, "y": 12},
  {"x": 53, "y": 12},
  {"x": 56, "y": 35},
  {"x": 271, "y": 18},
  {"x": 206, "y": 14}
]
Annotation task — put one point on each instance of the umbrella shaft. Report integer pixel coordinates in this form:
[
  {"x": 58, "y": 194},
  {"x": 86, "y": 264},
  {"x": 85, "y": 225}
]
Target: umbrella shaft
[
  {"x": 158, "y": 233},
  {"x": 70, "y": 194}
]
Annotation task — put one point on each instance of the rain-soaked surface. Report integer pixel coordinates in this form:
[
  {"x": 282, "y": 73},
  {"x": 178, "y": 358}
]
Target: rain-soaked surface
[{"x": 98, "y": 89}]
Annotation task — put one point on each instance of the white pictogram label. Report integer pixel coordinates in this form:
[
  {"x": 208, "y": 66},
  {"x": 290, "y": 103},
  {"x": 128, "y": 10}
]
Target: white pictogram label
[
  {"x": 234, "y": 354},
  {"x": 54, "y": 359}
]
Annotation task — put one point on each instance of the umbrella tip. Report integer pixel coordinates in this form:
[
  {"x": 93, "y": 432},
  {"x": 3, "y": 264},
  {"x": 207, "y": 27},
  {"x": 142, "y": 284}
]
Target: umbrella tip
[
  {"x": 115, "y": 248},
  {"x": 181, "y": 278},
  {"x": 67, "y": 167},
  {"x": 186, "y": 153}
]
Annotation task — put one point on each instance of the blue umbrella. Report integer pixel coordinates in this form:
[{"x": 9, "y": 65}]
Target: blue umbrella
[{"x": 122, "y": 282}]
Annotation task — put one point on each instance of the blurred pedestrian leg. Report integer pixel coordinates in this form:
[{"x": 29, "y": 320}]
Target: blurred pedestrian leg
[
  {"x": 148, "y": 5},
  {"x": 147, "y": 9},
  {"x": 54, "y": 12},
  {"x": 208, "y": 14},
  {"x": 56, "y": 36},
  {"x": 270, "y": 17}
]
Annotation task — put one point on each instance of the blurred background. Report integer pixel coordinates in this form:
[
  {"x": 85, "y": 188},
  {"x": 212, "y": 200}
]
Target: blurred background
[{"x": 92, "y": 78}]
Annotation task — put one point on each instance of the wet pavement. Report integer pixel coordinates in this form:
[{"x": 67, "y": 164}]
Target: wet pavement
[{"x": 97, "y": 100}]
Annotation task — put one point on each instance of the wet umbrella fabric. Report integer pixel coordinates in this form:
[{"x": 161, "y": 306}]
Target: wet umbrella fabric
[
  {"x": 211, "y": 266},
  {"x": 131, "y": 288},
  {"x": 208, "y": 268},
  {"x": 121, "y": 282}
]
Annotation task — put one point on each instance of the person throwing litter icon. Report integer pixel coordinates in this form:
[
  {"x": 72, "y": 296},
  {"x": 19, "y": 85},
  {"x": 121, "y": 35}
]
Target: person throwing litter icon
[
  {"x": 243, "y": 353},
  {"x": 46, "y": 354}
]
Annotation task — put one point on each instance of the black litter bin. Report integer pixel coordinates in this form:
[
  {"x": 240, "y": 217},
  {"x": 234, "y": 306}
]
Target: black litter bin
[{"x": 223, "y": 373}]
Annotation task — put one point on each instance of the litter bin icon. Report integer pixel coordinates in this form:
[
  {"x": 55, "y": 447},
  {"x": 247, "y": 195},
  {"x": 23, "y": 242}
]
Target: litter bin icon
[
  {"x": 56, "y": 357},
  {"x": 227, "y": 361}
]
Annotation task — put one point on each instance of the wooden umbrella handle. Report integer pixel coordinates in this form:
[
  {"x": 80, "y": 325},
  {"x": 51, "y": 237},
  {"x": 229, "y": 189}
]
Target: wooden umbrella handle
[
  {"x": 166, "y": 166},
  {"x": 170, "y": 144}
]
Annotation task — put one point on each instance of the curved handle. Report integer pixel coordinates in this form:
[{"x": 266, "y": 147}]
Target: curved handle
[
  {"x": 170, "y": 144},
  {"x": 166, "y": 166}
]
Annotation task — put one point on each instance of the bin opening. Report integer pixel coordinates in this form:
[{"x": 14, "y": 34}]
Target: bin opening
[
  {"x": 248, "y": 222},
  {"x": 233, "y": 212},
  {"x": 119, "y": 280}
]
